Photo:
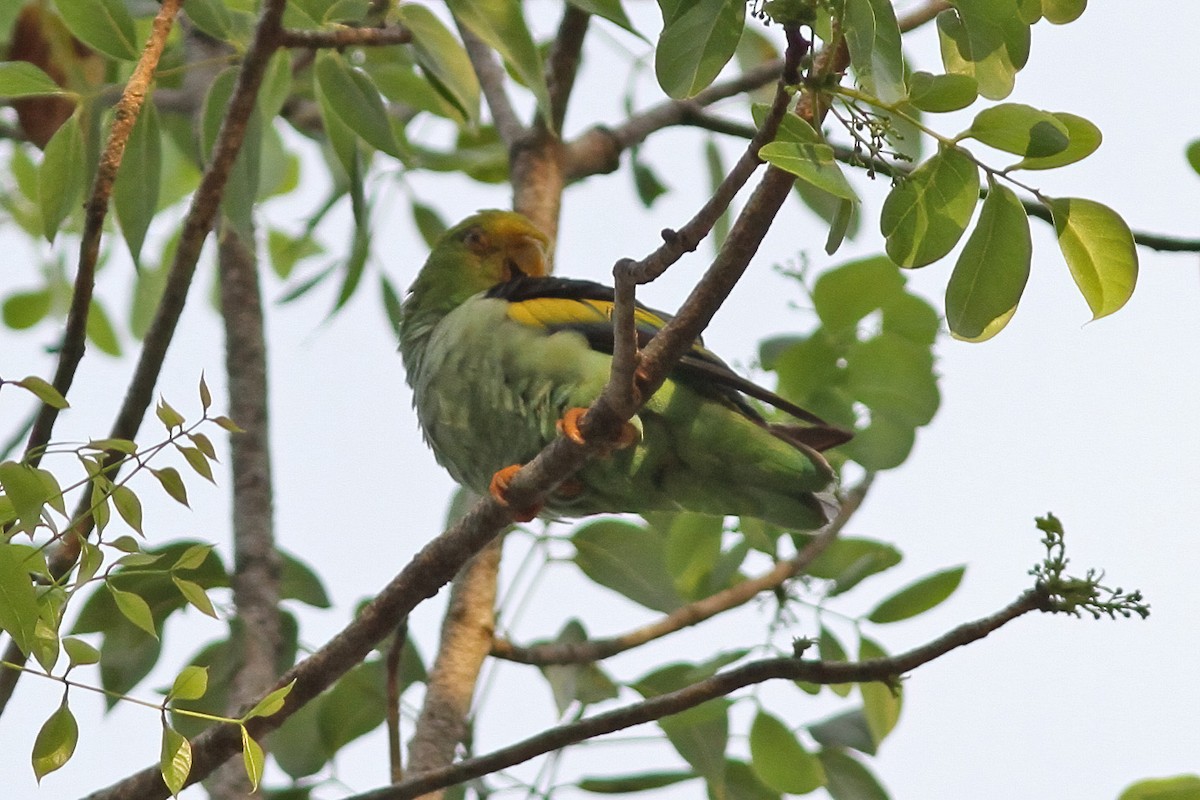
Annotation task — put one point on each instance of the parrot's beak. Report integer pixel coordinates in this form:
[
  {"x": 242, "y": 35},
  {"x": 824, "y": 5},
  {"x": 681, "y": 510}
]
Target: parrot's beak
[{"x": 526, "y": 255}]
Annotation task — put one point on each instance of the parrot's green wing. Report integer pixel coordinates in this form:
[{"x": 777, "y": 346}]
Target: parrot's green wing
[{"x": 556, "y": 304}]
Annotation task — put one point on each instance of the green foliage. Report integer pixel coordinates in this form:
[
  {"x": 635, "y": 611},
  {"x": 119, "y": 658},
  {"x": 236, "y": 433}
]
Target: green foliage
[{"x": 867, "y": 361}]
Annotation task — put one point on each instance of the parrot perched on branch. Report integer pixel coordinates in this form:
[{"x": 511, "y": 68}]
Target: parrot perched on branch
[{"x": 501, "y": 356}]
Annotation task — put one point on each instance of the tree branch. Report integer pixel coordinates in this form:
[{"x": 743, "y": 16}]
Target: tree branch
[
  {"x": 692, "y": 613},
  {"x": 563, "y": 62},
  {"x": 467, "y": 632},
  {"x": 654, "y": 708},
  {"x": 491, "y": 80},
  {"x": 257, "y": 564},
  {"x": 96, "y": 209},
  {"x": 345, "y": 37}
]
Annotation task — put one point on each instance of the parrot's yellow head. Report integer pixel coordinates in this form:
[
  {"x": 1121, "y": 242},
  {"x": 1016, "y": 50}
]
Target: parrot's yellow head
[{"x": 486, "y": 248}]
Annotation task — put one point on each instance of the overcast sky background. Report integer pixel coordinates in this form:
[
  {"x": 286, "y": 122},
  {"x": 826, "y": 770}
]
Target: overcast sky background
[{"x": 1094, "y": 422}]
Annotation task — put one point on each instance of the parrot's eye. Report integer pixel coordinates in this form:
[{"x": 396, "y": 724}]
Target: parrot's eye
[{"x": 476, "y": 240}]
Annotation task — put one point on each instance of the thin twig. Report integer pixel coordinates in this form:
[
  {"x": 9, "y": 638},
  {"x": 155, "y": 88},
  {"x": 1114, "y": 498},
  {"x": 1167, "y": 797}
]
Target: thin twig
[
  {"x": 345, "y": 37},
  {"x": 916, "y": 17},
  {"x": 394, "y": 655},
  {"x": 793, "y": 669},
  {"x": 96, "y": 209},
  {"x": 692, "y": 613}
]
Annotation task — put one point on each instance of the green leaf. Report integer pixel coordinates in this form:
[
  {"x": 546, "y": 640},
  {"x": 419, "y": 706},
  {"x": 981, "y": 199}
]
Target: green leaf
[
  {"x": 646, "y": 182},
  {"x": 169, "y": 417},
  {"x": 1020, "y": 129},
  {"x": 848, "y": 779},
  {"x": 195, "y": 595},
  {"x": 135, "y": 609},
  {"x": 941, "y": 93},
  {"x": 22, "y": 79},
  {"x": 583, "y": 683},
  {"x": 26, "y": 491},
  {"x": 211, "y": 17},
  {"x": 812, "y": 163},
  {"x": 700, "y": 734},
  {"x": 693, "y": 545},
  {"x": 848, "y": 561},
  {"x": 271, "y": 703},
  {"x": 61, "y": 176},
  {"x": 990, "y": 276},
  {"x": 1192, "y": 153},
  {"x": 355, "y": 100},
  {"x": 25, "y": 309},
  {"x": 135, "y": 194},
  {"x": 299, "y": 582},
  {"x": 626, "y": 784},
  {"x": 197, "y": 461},
  {"x": 1099, "y": 249},
  {"x": 44, "y": 391},
  {"x": 698, "y": 39},
  {"x": 1178, "y": 787},
  {"x": 926, "y": 213},
  {"x": 128, "y": 506},
  {"x": 847, "y": 729},
  {"x": 881, "y": 702},
  {"x": 79, "y": 652},
  {"x": 501, "y": 24},
  {"x": 18, "y": 603},
  {"x": 610, "y": 10},
  {"x": 1084, "y": 139},
  {"x": 104, "y": 25},
  {"x": 628, "y": 559},
  {"x": 175, "y": 760},
  {"x": 100, "y": 330},
  {"x": 740, "y": 783},
  {"x": 1060, "y": 12},
  {"x": 918, "y": 597},
  {"x": 429, "y": 223},
  {"x": 986, "y": 40},
  {"x": 843, "y": 296},
  {"x": 55, "y": 742},
  {"x": 354, "y": 707},
  {"x": 252, "y": 759},
  {"x": 443, "y": 59},
  {"x": 873, "y": 37},
  {"x": 893, "y": 377},
  {"x": 779, "y": 760},
  {"x": 172, "y": 484},
  {"x": 190, "y": 684}
]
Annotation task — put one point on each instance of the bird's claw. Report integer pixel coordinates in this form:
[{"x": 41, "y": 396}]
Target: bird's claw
[
  {"x": 568, "y": 426},
  {"x": 498, "y": 489}
]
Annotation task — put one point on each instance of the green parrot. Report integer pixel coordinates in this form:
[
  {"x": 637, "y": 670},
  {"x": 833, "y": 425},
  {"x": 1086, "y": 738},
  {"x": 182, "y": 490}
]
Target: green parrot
[{"x": 501, "y": 356}]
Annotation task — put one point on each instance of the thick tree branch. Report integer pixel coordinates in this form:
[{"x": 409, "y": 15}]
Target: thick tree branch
[
  {"x": 96, "y": 209},
  {"x": 692, "y": 613},
  {"x": 466, "y": 640},
  {"x": 793, "y": 669},
  {"x": 257, "y": 564},
  {"x": 345, "y": 37}
]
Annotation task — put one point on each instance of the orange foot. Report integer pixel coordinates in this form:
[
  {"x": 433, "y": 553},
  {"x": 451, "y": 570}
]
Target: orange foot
[
  {"x": 569, "y": 426},
  {"x": 498, "y": 489}
]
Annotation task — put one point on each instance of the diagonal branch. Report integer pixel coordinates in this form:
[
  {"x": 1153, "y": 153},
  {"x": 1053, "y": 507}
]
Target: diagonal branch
[
  {"x": 793, "y": 669},
  {"x": 692, "y": 613},
  {"x": 125, "y": 115},
  {"x": 491, "y": 80}
]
